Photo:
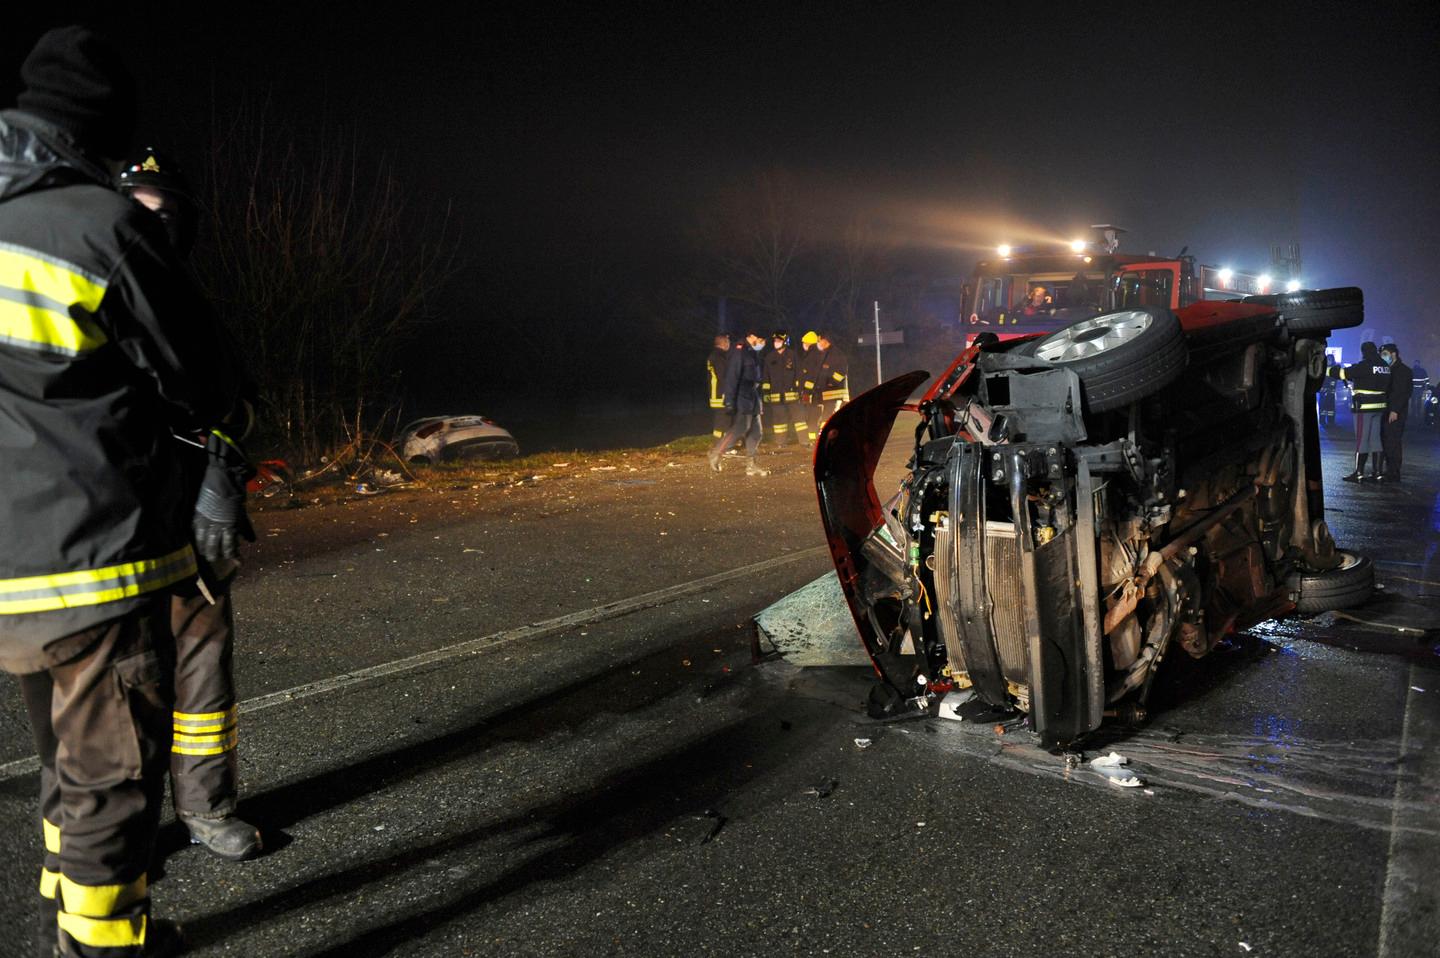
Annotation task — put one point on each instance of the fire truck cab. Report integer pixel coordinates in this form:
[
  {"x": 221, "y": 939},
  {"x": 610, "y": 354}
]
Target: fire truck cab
[{"x": 1086, "y": 279}]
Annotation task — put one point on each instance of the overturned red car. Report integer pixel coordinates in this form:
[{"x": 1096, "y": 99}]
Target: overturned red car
[{"x": 1081, "y": 503}]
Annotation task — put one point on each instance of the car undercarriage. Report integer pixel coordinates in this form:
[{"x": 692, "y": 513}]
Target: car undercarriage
[{"x": 1083, "y": 504}]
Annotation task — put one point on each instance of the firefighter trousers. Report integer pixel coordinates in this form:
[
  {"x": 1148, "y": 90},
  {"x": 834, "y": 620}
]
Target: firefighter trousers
[
  {"x": 203, "y": 773},
  {"x": 101, "y": 724}
]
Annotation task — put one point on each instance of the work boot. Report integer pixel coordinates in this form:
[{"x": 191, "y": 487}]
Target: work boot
[
  {"x": 713, "y": 458},
  {"x": 163, "y": 939},
  {"x": 230, "y": 837},
  {"x": 753, "y": 468},
  {"x": 1358, "y": 475}
]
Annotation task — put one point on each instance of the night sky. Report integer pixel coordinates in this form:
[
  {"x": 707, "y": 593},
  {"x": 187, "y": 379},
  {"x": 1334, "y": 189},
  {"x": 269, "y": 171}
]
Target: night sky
[{"x": 570, "y": 139}]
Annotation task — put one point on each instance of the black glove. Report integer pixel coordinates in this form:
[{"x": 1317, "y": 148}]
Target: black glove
[{"x": 220, "y": 521}]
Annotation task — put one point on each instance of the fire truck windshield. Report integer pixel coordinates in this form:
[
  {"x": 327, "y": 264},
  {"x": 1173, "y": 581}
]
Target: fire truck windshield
[
  {"x": 1038, "y": 299},
  {"x": 1044, "y": 300}
]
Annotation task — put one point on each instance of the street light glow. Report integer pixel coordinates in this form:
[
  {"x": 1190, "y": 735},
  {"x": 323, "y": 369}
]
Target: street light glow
[
  {"x": 1004, "y": 250},
  {"x": 1077, "y": 246},
  {"x": 1264, "y": 282},
  {"x": 1293, "y": 286},
  {"x": 1225, "y": 276}
]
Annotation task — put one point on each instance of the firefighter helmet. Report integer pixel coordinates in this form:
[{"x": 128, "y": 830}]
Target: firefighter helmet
[
  {"x": 781, "y": 334},
  {"x": 156, "y": 170},
  {"x": 156, "y": 181},
  {"x": 810, "y": 338}
]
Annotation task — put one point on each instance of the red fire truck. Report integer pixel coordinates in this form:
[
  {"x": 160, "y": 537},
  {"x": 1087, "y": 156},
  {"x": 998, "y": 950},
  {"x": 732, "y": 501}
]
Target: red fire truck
[{"x": 1032, "y": 290}]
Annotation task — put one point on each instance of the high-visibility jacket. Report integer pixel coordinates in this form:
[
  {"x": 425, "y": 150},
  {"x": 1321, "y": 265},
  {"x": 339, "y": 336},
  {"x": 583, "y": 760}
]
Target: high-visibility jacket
[
  {"x": 807, "y": 374},
  {"x": 106, "y": 349},
  {"x": 834, "y": 375},
  {"x": 779, "y": 383},
  {"x": 1369, "y": 384},
  {"x": 715, "y": 368}
]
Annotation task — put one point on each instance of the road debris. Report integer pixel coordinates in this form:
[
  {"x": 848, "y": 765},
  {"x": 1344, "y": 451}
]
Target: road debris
[
  {"x": 863, "y": 743},
  {"x": 1112, "y": 768},
  {"x": 822, "y": 790}
]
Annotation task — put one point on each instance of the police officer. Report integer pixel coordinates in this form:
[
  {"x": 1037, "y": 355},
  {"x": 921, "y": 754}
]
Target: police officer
[
  {"x": 834, "y": 378},
  {"x": 778, "y": 389},
  {"x": 715, "y": 370},
  {"x": 807, "y": 374},
  {"x": 203, "y": 773},
  {"x": 108, "y": 349},
  {"x": 1397, "y": 412},
  {"x": 1369, "y": 381}
]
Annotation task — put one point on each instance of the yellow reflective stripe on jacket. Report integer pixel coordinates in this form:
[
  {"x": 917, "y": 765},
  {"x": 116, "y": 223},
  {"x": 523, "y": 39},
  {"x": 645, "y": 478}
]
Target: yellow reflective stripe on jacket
[
  {"x": 829, "y": 394},
  {"x": 52, "y": 836},
  {"x": 69, "y": 590},
  {"x": 1371, "y": 400},
  {"x": 717, "y": 401},
  {"x": 45, "y": 303},
  {"x": 100, "y": 901},
  {"x": 104, "y": 932}
]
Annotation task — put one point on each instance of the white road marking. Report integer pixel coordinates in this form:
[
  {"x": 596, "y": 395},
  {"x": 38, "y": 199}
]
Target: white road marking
[
  {"x": 1410, "y": 909},
  {"x": 599, "y": 613}
]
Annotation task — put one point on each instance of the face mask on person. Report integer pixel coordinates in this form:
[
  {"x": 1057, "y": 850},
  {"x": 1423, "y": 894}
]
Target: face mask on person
[
  {"x": 1388, "y": 358},
  {"x": 758, "y": 347}
]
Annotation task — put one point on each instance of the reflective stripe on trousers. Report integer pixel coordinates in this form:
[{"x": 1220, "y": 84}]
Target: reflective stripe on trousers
[{"x": 101, "y": 724}]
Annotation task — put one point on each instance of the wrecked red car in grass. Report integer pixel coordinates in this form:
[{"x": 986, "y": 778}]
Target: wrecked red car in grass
[{"x": 1081, "y": 503}]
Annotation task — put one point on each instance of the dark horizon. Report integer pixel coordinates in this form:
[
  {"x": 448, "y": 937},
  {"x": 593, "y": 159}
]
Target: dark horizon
[{"x": 571, "y": 145}]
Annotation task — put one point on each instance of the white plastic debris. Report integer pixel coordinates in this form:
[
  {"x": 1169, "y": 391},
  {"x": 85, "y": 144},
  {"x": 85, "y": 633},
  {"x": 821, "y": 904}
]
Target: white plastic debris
[
  {"x": 1112, "y": 767},
  {"x": 1245, "y": 947},
  {"x": 862, "y": 743},
  {"x": 951, "y": 702},
  {"x": 1416, "y": 688}
]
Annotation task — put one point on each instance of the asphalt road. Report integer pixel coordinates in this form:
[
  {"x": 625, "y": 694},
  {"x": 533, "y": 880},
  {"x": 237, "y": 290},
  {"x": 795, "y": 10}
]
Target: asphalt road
[{"x": 523, "y": 719}]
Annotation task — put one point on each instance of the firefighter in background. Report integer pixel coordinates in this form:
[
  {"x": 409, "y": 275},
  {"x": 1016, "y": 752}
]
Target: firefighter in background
[
  {"x": 715, "y": 369},
  {"x": 779, "y": 388},
  {"x": 203, "y": 773},
  {"x": 1420, "y": 390},
  {"x": 807, "y": 374},
  {"x": 108, "y": 349},
  {"x": 1369, "y": 381},
  {"x": 1325, "y": 403},
  {"x": 834, "y": 378},
  {"x": 1397, "y": 412}
]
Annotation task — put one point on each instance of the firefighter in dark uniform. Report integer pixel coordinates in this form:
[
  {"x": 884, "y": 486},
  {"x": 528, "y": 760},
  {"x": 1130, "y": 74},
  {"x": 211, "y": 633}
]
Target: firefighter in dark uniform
[
  {"x": 779, "y": 387},
  {"x": 834, "y": 378},
  {"x": 105, "y": 348},
  {"x": 1397, "y": 412},
  {"x": 1369, "y": 381},
  {"x": 203, "y": 773},
  {"x": 715, "y": 370},
  {"x": 807, "y": 375}
]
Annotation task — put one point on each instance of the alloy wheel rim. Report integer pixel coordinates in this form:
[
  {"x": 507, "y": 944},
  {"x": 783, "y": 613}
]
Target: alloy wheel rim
[{"x": 1092, "y": 337}]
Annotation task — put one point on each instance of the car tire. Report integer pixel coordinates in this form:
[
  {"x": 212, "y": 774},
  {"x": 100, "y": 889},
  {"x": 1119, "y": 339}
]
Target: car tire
[
  {"x": 1317, "y": 310},
  {"x": 1149, "y": 355},
  {"x": 1343, "y": 587}
]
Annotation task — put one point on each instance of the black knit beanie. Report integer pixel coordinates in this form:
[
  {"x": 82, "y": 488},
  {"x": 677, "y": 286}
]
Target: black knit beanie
[{"x": 76, "y": 79}]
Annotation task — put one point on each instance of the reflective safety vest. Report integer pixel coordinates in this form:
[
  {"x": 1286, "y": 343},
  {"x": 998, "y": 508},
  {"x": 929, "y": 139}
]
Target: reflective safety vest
[{"x": 105, "y": 348}]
